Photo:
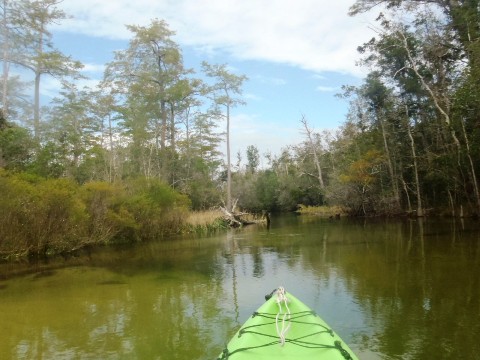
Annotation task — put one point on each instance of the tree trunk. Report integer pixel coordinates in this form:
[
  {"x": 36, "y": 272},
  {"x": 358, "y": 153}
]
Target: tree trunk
[
  {"x": 36, "y": 106},
  {"x": 38, "y": 74},
  {"x": 229, "y": 170},
  {"x": 405, "y": 188},
  {"x": 172, "y": 128},
  {"x": 314, "y": 151},
  {"x": 415, "y": 169},
  {"x": 393, "y": 179},
  {"x": 111, "y": 175},
  {"x": 163, "y": 130},
  {"x": 6, "y": 64},
  {"x": 472, "y": 167},
  {"x": 434, "y": 98}
]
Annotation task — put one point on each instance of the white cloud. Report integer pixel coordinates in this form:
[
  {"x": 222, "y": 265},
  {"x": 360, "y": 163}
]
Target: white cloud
[
  {"x": 310, "y": 34},
  {"x": 266, "y": 135},
  {"x": 319, "y": 76}
]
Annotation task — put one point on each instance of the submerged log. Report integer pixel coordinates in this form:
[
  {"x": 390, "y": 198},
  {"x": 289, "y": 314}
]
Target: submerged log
[
  {"x": 231, "y": 218},
  {"x": 237, "y": 219}
]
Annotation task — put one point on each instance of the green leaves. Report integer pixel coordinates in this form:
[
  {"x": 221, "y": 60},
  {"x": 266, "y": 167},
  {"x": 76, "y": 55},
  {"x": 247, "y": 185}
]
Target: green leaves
[
  {"x": 46, "y": 216},
  {"x": 16, "y": 147}
]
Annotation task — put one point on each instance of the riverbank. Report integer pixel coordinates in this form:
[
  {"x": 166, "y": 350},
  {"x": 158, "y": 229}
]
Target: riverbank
[
  {"x": 44, "y": 217},
  {"x": 349, "y": 270},
  {"x": 323, "y": 211}
]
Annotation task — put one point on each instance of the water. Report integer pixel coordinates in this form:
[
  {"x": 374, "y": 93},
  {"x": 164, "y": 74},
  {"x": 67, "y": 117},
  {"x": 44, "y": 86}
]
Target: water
[{"x": 392, "y": 290}]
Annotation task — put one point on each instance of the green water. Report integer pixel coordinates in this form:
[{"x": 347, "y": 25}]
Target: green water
[{"x": 392, "y": 290}]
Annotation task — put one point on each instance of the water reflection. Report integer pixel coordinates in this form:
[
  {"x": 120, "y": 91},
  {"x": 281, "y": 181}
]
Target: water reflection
[
  {"x": 393, "y": 290},
  {"x": 110, "y": 316}
]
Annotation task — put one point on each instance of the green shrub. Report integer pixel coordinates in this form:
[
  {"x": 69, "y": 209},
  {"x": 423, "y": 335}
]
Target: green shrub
[
  {"x": 157, "y": 208},
  {"x": 107, "y": 219},
  {"x": 39, "y": 216}
]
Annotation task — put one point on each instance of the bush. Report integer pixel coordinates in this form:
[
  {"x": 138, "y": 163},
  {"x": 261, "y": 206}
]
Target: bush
[
  {"x": 157, "y": 209},
  {"x": 108, "y": 218},
  {"x": 39, "y": 216}
]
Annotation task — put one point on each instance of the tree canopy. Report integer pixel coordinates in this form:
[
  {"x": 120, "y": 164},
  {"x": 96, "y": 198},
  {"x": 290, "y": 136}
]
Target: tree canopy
[{"x": 409, "y": 142}]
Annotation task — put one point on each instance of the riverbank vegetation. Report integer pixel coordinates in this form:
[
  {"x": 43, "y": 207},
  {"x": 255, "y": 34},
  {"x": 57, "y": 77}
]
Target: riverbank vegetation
[
  {"x": 44, "y": 216},
  {"x": 323, "y": 211},
  {"x": 129, "y": 159}
]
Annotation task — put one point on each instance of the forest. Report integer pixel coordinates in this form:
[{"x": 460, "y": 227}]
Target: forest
[{"x": 126, "y": 160}]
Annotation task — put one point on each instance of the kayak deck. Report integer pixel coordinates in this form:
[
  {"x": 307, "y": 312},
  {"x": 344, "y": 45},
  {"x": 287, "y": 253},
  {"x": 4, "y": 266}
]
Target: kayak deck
[{"x": 286, "y": 329}]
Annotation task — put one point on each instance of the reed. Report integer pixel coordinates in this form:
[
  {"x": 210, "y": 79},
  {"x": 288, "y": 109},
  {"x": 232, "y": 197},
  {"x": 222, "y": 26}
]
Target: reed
[
  {"x": 204, "y": 221},
  {"x": 324, "y": 211}
]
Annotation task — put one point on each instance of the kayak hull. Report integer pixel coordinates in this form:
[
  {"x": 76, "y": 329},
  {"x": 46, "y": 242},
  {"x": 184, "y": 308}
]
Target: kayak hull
[{"x": 307, "y": 336}]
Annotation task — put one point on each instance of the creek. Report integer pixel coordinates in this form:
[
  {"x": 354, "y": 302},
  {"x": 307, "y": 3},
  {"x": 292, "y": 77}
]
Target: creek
[{"x": 392, "y": 289}]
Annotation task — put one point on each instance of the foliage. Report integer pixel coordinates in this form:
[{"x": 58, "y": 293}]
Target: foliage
[
  {"x": 126, "y": 160},
  {"x": 16, "y": 147},
  {"x": 157, "y": 210},
  {"x": 39, "y": 215},
  {"x": 253, "y": 158},
  {"x": 43, "y": 216},
  {"x": 225, "y": 91}
]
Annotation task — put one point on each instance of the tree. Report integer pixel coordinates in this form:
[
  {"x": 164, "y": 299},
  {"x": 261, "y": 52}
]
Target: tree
[
  {"x": 379, "y": 99},
  {"x": 41, "y": 57},
  {"x": 362, "y": 180},
  {"x": 313, "y": 149},
  {"x": 76, "y": 129},
  {"x": 423, "y": 65},
  {"x": 104, "y": 110},
  {"x": 15, "y": 103},
  {"x": 7, "y": 33},
  {"x": 150, "y": 79},
  {"x": 253, "y": 158},
  {"x": 463, "y": 18},
  {"x": 223, "y": 91},
  {"x": 15, "y": 146},
  {"x": 415, "y": 165}
]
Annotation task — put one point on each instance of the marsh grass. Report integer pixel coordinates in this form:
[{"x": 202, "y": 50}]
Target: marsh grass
[
  {"x": 205, "y": 221},
  {"x": 324, "y": 211}
]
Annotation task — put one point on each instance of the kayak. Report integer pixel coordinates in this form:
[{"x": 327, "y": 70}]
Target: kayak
[{"x": 285, "y": 328}]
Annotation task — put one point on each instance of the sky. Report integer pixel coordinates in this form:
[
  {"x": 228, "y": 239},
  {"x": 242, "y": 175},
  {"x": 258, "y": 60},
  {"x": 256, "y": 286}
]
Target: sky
[{"x": 296, "y": 54}]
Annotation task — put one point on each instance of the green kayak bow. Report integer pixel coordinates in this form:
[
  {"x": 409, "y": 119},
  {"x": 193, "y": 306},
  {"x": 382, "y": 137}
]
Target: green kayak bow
[{"x": 285, "y": 328}]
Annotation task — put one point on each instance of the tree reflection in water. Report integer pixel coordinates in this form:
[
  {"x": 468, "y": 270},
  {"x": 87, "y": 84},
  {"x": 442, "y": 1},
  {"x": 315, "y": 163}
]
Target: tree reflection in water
[{"x": 392, "y": 290}]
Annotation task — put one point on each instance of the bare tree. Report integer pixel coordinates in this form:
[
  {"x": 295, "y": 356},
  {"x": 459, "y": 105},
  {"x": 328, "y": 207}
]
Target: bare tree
[{"x": 313, "y": 149}]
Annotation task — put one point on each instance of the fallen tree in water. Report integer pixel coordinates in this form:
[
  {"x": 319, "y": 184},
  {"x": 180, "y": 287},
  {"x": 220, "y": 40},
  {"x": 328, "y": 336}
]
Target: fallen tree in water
[{"x": 238, "y": 219}]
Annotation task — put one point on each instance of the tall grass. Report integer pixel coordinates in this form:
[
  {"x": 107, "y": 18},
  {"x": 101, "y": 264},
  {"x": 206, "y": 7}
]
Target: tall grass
[
  {"x": 324, "y": 211},
  {"x": 201, "y": 222}
]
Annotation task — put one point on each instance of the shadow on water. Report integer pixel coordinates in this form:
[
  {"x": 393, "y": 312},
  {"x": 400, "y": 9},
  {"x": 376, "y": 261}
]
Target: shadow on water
[
  {"x": 43, "y": 274},
  {"x": 111, "y": 282}
]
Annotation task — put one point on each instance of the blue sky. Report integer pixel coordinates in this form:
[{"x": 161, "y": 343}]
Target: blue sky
[{"x": 296, "y": 53}]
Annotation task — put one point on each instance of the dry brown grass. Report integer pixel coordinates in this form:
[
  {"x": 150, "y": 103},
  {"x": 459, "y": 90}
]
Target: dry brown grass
[
  {"x": 320, "y": 210},
  {"x": 203, "y": 218}
]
